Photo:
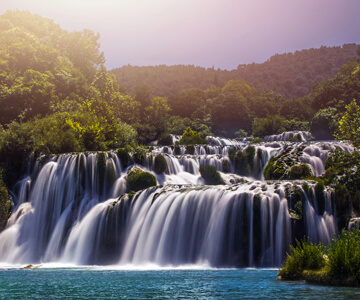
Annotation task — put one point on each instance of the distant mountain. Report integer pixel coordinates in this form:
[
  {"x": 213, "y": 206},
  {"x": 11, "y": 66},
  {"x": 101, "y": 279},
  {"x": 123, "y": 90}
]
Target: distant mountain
[{"x": 291, "y": 74}]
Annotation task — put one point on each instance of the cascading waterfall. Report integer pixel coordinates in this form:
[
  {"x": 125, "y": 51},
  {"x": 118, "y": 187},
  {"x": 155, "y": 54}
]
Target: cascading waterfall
[{"x": 74, "y": 209}]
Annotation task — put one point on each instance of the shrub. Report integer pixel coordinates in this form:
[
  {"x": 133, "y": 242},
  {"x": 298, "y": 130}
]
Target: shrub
[
  {"x": 344, "y": 255},
  {"x": 304, "y": 256},
  {"x": 138, "y": 179},
  {"x": 160, "y": 164},
  {"x": 165, "y": 140},
  {"x": 139, "y": 155},
  {"x": 211, "y": 175},
  {"x": 299, "y": 171},
  {"x": 191, "y": 137}
]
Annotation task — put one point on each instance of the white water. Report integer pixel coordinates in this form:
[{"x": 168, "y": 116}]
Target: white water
[{"x": 63, "y": 214}]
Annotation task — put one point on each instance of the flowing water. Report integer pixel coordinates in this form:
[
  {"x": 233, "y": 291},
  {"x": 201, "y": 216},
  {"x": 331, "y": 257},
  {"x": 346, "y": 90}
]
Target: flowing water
[{"x": 74, "y": 209}]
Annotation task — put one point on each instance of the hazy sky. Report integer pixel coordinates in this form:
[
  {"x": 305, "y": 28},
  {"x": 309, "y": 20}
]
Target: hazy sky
[{"x": 223, "y": 33}]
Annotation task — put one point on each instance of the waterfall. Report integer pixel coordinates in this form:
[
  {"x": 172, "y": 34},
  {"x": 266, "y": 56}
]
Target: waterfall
[{"x": 74, "y": 208}]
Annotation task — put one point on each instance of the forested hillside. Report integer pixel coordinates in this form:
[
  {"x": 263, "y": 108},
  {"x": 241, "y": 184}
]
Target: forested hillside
[{"x": 291, "y": 74}]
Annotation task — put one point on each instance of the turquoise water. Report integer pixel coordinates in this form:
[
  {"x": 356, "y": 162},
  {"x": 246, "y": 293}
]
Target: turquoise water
[{"x": 90, "y": 283}]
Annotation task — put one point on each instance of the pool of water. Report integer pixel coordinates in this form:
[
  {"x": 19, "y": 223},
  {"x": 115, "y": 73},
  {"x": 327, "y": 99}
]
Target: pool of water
[{"x": 100, "y": 283}]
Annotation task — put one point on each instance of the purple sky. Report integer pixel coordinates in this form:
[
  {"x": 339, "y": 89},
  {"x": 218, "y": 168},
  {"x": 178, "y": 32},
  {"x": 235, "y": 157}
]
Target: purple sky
[{"x": 223, "y": 33}]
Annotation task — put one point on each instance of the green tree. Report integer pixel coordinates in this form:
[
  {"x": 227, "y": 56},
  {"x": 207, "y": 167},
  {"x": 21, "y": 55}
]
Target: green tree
[
  {"x": 157, "y": 115},
  {"x": 349, "y": 125}
]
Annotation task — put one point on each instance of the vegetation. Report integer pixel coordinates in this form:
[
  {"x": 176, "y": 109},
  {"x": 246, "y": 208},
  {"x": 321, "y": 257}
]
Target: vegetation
[
  {"x": 160, "y": 164},
  {"x": 5, "y": 205},
  {"x": 337, "y": 264},
  {"x": 211, "y": 175},
  {"x": 290, "y": 74},
  {"x": 138, "y": 179},
  {"x": 191, "y": 137}
]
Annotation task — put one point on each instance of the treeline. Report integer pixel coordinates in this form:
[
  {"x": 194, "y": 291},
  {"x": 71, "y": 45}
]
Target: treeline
[{"x": 291, "y": 74}]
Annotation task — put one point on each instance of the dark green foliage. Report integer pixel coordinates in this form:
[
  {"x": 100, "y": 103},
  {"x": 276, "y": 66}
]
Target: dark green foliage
[
  {"x": 191, "y": 137},
  {"x": 267, "y": 126},
  {"x": 124, "y": 157},
  {"x": 225, "y": 166},
  {"x": 139, "y": 155},
  {"x": 324, "y": 123},
  {"x": 320, "y": 196},
  {"x": 274, "y": 170},
  {"x": 344, "y": 256},
  {"x": 101, "y": 168},
  {"x": 177, "y": 150},
  {"x": 190, "y": 149},
  {"x": 304, "y": 256},
  {"x": 231, "y": 154},
  {"x": 211, "y": 175},
  {"x": 300, "y": 171},
  {"x": 138, "y": 179},
  {"x": 5, "y": 205},
  {"x": 160, "y": 164},
  {"x": 165, "y": 140},
  {"x": 290, "y": 74}
]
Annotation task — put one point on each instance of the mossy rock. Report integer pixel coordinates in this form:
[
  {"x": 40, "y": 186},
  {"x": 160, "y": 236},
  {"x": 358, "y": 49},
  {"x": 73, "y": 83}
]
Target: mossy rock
[
  {"x": 190, "y": 149},
  {"x": 138, "y": 179},
  {"x": 225, "y": 166},
  {"x": 139, "y": 155},
  {"x": 211, "y": 175},
  {"x": 177, "y": 150},
  {"x": 124, "y": 157},
  {"x": 299, "y": 171},
  {"x": 320, "y": 197},
  {"x": 160, "y": 164}
]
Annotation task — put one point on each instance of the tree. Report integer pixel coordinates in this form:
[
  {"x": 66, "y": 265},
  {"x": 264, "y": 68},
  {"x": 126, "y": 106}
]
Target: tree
[
  {"x": 157, "y": 115},
  {"x": 349, "y": 125},
  {"x": 143, "y": 95}
]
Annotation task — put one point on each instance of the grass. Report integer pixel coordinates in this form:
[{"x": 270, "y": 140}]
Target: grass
[{"x": 336, "y": 264}]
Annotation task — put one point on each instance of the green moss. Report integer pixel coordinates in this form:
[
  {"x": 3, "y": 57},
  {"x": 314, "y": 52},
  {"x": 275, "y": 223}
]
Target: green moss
[
  {"x": 231, "y": 154},
  {"x": 225, "y": 166},
  {"x": 211, "y": 175},
  {"x": 190, "y": 149},
  {"x": 177, "y": 150},
  {"x": 110, "y": 174},
  {"x": 160, "y": 164},
  {"x": 101, "y": 168},
  {"x": 320, "y": 196},
  {"x": 5, "y": 205},
  {"x": 300, "y": 171},
  {"x": 138, "y": 179},
  {"x": 139, "y": 155},
  {"x": 124, "y": 157}
]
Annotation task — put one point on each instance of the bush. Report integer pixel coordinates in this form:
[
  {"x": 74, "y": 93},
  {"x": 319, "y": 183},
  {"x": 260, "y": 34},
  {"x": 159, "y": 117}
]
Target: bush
[
  {"x": 225, "y": 166},
  {"x": 304, "y": 256},
  {"x": 301, "y": 171},
  {"x": 139, "y": 155},
  {"x": 160, "y": 164},
  {"x": 191, "y": 137},
  {"x": 344, "y": 255},
  {"x": 138, "y": 179},
  {"x": 165, "y": 140},
  {"x": 211, "y": 175},
  {"x": 5, "y": 205}
]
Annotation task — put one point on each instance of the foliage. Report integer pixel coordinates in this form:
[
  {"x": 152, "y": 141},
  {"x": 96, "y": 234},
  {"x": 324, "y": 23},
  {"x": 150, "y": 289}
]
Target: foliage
[
  {"x": 165, "y": 140},
  {"x": 324, "y": 123},
  {"x": 124, "y": 157},
  {"x": 5, "y": 205},
  {"x": 160, "y": 164},
  {"x": 157, "y": 115},
  {"x": 300, "y": 171},
  {"x": 304, "y": 256},
  {"x": 139, "y": 154},
  {"x": 138, "y": 180},
  {"x": 290, "y": 74},
  {"x": 211, "y": 175},
  {"x": 267, "y": 126},
  {"x": 344, "y": 255},
  {"x": 349, "y": 125},
  {"x": 191, "y": 137}
]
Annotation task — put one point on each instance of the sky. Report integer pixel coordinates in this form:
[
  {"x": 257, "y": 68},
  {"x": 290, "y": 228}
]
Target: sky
[{"x": 219, "y": 33}]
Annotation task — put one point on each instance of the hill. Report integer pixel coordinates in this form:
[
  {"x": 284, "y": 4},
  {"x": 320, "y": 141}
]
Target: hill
[{"x": 291, "y": 74}]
